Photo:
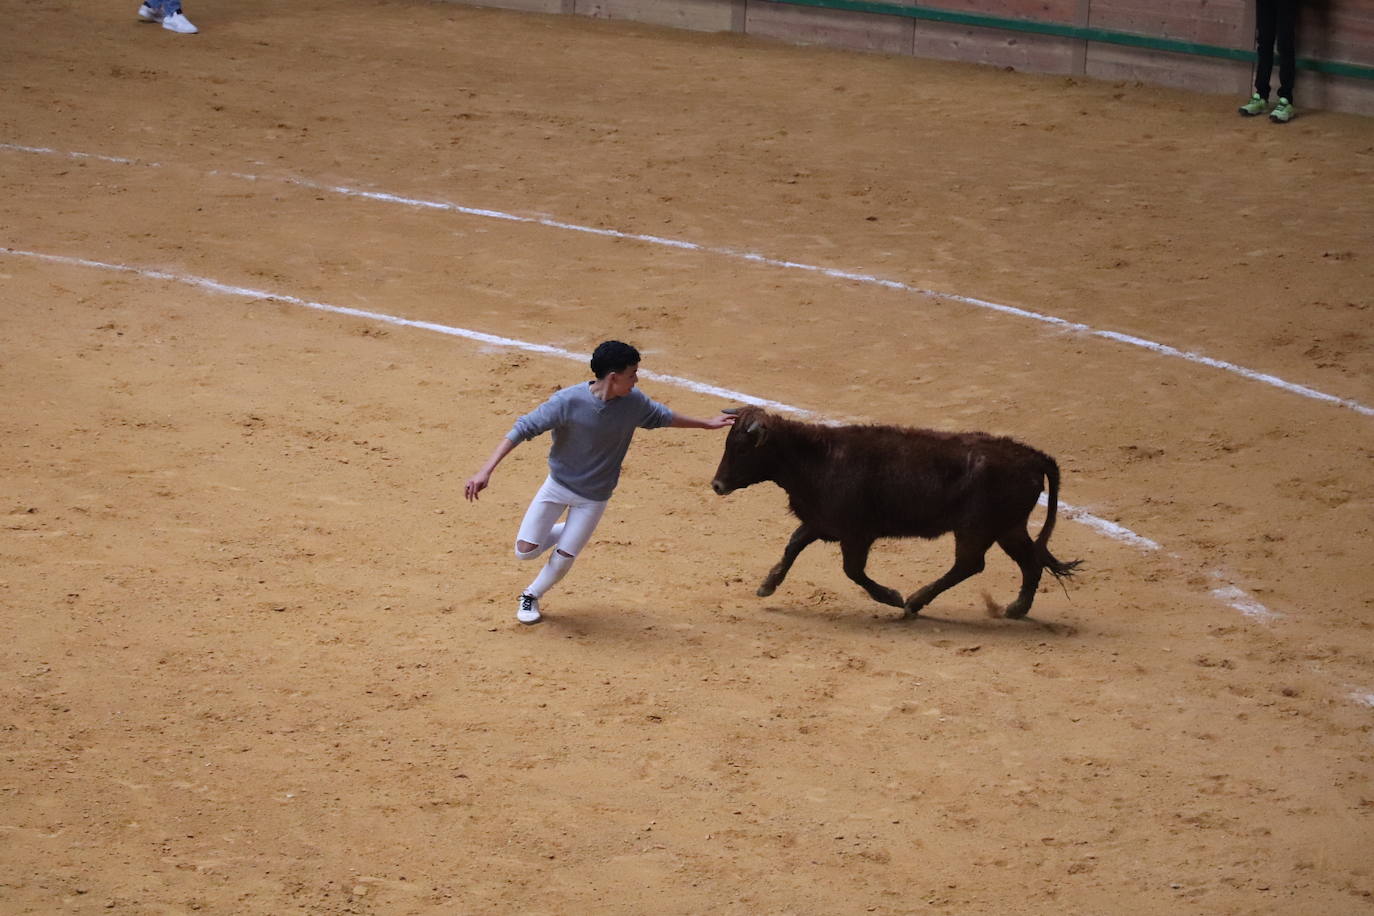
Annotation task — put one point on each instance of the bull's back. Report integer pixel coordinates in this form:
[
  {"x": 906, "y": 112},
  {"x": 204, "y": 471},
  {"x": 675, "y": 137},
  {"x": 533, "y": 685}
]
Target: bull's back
[{"x": 893, "y": 482}]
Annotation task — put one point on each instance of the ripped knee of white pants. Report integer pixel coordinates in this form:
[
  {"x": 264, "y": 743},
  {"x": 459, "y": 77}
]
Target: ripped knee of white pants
[{"x": 530, "y": 554}]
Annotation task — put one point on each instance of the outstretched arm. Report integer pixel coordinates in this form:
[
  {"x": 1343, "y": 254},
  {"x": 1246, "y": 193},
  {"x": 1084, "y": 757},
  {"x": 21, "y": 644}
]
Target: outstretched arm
[
  {"x": 717, "y": 422},
  {"x": 479, "y": 481}
]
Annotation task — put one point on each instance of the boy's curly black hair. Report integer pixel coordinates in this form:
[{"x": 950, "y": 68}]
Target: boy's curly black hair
[{"x": 613, "y": 356}]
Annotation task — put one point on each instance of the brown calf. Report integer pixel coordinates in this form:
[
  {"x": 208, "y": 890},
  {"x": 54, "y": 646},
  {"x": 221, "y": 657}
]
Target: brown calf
[{"x": 855, "y": 484}]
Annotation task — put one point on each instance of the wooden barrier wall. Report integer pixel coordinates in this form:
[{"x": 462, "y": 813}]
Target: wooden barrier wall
[{"x": 1329, "y": 30}]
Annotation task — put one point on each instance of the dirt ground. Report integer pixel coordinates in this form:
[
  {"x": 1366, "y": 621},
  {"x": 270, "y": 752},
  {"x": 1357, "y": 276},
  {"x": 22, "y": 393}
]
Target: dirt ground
[{"x": 259, "y": 657}]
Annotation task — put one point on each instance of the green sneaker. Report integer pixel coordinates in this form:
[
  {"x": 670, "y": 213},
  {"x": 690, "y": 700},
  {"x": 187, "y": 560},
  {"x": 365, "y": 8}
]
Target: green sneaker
[
  {"x": 1255, "y": 106},
  {"x": 1283, "y": 112}
]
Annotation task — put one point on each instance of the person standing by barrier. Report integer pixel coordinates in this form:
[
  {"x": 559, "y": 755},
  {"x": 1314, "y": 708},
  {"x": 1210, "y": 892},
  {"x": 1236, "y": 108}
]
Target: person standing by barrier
[
  {"x": 167, "y": 12},
  {"x": 592, "y": 425},
  {"x": 1276, "y": 21}
]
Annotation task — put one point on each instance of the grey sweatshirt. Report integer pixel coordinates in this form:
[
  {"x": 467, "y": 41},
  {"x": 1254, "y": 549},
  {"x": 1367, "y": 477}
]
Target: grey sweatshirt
[{"x": 590, "y": 436}]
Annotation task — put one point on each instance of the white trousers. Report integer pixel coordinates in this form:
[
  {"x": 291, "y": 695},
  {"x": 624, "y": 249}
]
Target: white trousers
[{"x": 567, "y": 538}]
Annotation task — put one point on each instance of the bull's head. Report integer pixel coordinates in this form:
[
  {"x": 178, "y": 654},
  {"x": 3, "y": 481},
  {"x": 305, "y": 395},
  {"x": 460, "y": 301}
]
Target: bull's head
[{"x": 746, "y": 461}]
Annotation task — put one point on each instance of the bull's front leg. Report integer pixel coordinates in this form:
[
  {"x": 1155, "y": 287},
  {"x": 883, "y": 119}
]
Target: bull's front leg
[
  {"x": 855, "y": 555},
  {"x": 800, "y": 540}
]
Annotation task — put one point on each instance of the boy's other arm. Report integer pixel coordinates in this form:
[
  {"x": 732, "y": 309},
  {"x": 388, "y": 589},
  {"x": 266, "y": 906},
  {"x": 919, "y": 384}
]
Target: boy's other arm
[{"x": 478, "y": 482}]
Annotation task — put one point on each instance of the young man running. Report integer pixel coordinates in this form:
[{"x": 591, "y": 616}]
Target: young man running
[{"x": 592, "y": 425}]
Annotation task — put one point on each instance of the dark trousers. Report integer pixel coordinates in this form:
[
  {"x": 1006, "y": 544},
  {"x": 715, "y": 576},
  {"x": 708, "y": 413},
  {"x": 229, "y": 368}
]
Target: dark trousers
[{"x": 1275, "y": 21}]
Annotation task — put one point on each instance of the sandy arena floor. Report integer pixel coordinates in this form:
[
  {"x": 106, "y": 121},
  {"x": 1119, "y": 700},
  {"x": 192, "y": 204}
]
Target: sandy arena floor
[{"x": 259, "y": 657}]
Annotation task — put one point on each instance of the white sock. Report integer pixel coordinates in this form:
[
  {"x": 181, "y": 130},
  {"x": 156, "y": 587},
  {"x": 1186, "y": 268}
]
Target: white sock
[{"x": 553, "y": 571}]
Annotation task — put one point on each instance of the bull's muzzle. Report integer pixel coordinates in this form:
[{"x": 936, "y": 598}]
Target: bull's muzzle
[{"x": 720, "y": 488}]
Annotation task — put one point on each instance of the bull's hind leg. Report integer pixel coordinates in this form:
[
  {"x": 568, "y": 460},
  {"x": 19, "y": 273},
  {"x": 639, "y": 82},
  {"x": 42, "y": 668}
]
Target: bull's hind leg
[
  {"x": 800, "y": 540},
  {"x": 855, "y": 555},
  {"x": 968, "y": 561},
  {"x": 1019, "y": 546}
]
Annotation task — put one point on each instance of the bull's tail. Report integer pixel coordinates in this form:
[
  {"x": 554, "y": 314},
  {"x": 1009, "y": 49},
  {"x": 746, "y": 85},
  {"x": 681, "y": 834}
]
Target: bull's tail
[{"x": 1057, "y": 569}]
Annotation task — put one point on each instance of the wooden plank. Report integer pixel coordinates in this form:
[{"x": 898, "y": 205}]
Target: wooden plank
[
  {"x": 1219, "y": 22},
  {"x": 1063, "y": 11},
  {"x": 692, "y": 15},
  {"x": 995, "y": 47},
  {"x": 1200, "y": 74},
  {"x": 833, "y": 28},
  {"x": 1316, "y": 91},
  {"x": 526, "y": 6}
]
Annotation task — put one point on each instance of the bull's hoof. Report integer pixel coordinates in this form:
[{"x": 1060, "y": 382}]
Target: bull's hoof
[
  {"x": 890, "y": 597},
  {"x": 1018, "y": 609},
  {"x": 765, "y": 590}
]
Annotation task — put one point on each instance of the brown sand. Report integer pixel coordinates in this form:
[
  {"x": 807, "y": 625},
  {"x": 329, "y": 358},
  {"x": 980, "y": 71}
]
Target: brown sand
[{"x": 259, "y": 656}]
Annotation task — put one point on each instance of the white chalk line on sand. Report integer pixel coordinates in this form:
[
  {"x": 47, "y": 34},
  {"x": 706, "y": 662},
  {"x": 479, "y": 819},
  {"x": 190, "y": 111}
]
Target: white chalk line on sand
[
  {"x": 754, "y": 257},
  {"x": 491, "y": 339},
  {"x": 1242, "y": 601},
  {"x": 1231, "y": 594}
]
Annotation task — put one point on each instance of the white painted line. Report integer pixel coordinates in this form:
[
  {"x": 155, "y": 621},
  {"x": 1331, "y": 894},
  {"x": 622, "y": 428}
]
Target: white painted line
[
  {"x": 1109, "y": 529},
  {"x": 1101, "y": 525},
  {"x": 1242, "y": 601},
  {"x": 1363, "y": 698},
  {"x": 45, "y": 151},
  {"x": 1062, "y": 324},
  {"x": 1230, "y": 594},
  {"x": 215, "y": 286}
]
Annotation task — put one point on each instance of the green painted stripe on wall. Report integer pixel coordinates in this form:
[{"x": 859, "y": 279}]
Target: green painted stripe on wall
[{"x": 1080, "y": 33}]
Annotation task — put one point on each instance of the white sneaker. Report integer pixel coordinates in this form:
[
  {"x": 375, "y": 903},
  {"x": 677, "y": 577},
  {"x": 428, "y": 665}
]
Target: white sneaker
[
  {"x": 177, "y": 22},
  {"x": 527, "y": 610},
  {"x": 148, "y": 14}
]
